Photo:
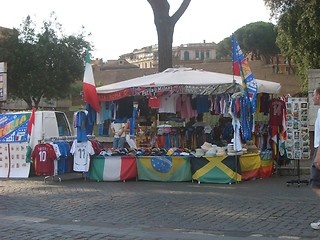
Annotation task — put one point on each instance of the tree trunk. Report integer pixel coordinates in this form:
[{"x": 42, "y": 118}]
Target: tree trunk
[
  {"x": 165, "y": 28},
  {"x": 165, "y": 38}
]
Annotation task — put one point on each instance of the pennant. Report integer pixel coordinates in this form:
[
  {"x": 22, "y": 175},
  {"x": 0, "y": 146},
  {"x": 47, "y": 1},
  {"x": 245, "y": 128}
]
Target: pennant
[
  {"x": 90, "y": 95},
  {"x": 241, "y": 68},
  {"x": 115, "y": 168}
]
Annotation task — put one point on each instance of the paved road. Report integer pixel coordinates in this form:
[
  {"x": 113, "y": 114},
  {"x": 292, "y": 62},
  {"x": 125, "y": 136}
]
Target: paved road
[{"x": 78, "y": 209}]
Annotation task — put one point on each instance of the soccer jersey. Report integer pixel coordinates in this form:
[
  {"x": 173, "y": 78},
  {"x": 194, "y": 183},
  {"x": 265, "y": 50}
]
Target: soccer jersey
[
  {"x": 277, "y": 107},
  {"x": 81, "y": 152},
  {"x": 43, "y": 156},
  {"x": 168, "y": 103}
]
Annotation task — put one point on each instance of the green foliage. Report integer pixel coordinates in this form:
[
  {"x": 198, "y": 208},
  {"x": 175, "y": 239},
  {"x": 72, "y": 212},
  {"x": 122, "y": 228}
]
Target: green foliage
[
  {"x": 44, "y": 64},
  {"x": 298, "y": 33},
  {"x": 224, "y": 49},
  {"x": 258, "y": 38}
]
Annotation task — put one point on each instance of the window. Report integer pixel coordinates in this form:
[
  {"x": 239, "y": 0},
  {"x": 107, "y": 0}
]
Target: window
[
  {"x": 207, "y": 55},
  {"x": 197, "y": 55},
  {"x": 63, "y": 125},
  {"x": 186, "y": 56},
  {"x": 202, "y": 55}
]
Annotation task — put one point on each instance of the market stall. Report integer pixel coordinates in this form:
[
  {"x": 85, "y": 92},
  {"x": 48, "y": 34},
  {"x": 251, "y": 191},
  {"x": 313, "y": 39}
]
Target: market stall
[{"x": 182, "y": 108}]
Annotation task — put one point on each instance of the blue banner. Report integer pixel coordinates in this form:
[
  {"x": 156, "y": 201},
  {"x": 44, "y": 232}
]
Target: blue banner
[
  {"x": 13, "y": 127},
  {"x": 241, "y": 68}
]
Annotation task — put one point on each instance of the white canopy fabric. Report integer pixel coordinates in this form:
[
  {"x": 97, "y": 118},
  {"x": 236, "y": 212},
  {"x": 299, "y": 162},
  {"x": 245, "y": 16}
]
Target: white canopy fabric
[{"x": 188, "y": 77}]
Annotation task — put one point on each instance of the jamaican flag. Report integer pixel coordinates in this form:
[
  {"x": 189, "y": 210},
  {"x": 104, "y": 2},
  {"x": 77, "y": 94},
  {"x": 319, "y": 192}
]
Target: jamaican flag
[
  {"x": 164, "y": 168},
  {"x": 222, "y": 169}
]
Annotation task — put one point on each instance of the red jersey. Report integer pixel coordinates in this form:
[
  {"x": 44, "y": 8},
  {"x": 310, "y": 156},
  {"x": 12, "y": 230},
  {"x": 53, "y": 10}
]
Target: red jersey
[
  {"x": 43, "y": 156},
  {"x": 276, "y": 107}
]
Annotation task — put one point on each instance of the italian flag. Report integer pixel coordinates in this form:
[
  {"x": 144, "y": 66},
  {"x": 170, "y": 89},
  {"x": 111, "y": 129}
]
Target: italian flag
[
  {"x": 115, "y": 168},
  {"x": 30, "y": 127},
  {"x": 90, "y": 95}
]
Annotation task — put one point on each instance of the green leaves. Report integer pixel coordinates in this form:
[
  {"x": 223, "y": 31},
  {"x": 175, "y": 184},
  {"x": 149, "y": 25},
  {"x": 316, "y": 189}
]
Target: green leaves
[{"x": 43, "y": 64}]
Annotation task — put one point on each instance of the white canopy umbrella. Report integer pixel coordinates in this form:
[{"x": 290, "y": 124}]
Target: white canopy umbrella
[{"x": 209, "y": 82}]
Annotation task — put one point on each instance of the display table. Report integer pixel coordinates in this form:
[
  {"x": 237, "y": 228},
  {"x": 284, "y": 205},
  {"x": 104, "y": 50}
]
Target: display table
[
  {"x": 223, "y": 169},
  {"x": 252, "y": 166},
  {"x": 114, "y": 168},
  {"x": 164, "y": 168}
]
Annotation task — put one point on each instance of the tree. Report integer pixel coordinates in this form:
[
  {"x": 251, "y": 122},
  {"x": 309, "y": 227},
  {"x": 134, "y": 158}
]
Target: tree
[
  {"x": 165, "y": 28},
  {"x": 224, "y": 48},
  {"x": 44, "y": 64},
  {"x": 258, "y": 38},
  {"x": 298, "y": 33}
]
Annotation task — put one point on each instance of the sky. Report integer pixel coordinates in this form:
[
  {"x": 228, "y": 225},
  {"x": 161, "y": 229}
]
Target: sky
[{"x": 119, "y": 26}]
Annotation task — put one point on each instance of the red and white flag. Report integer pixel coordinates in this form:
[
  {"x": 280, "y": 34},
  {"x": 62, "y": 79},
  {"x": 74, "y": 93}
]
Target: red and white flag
[
  {"x": 31, "y": 122},
  {"x": 30, "y": 130},
  {"x": 90, "y": 95}
]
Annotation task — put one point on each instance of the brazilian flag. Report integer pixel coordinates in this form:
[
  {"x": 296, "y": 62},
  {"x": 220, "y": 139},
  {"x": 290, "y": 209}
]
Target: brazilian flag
[
  {"x": 164, "y": 168},
  {"x": 222, "y": 169}
]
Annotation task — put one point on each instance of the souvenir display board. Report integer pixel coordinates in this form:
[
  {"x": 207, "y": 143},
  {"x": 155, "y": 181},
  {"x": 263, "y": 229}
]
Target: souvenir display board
[
  {"x": 12, "y": 160},
  {"x": 13, "y": 145},
  {"x": 298, "y": 142}
]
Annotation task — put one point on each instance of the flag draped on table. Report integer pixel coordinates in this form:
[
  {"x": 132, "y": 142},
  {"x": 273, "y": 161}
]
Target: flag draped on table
[
  {"x": 222, "y": 169},
  {"x": 164, "y": 168},
  {"x": 90, "y": 95},
  {"x": 115, "y": 168},
  {"x": 241, "y": 68},
  {"x": 250, "y": 166}
]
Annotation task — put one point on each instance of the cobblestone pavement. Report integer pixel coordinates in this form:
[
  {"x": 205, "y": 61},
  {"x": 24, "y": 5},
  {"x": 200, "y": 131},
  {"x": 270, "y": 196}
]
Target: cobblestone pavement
[{"x": 78, "y": 209}]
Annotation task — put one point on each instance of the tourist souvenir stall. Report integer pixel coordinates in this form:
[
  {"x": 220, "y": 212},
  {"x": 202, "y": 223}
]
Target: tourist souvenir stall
[{"x": 156, "y": 96}]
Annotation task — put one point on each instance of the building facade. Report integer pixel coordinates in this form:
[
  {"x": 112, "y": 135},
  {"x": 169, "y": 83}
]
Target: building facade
[{"x": 147, "y": 57}]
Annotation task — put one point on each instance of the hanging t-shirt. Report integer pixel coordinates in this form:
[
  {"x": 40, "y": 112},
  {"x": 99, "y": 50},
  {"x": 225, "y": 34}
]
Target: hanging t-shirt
[
  {"x": 203, "y": 104},
  {"x": 154, "y": 102},
  {"x": 80, "y": 121},
  {"x": 63, "y": 160},
  {"x": 105, "y": 111},
  {"x": 124, "y": 108},
  {"x": 183, "y": 105},
  {"x": 276, "y": 107},
  {"x": 43, "y": 156},
  {"x": 81, "y": 152},
  {"x": 168, "y": 103}
]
